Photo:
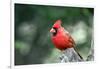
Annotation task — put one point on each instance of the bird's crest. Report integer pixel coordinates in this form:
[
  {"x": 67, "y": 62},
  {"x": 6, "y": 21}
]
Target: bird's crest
[{"x": 57, "y": 24}]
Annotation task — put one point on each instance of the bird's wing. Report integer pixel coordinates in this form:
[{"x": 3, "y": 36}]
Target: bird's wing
[
  {"x": 70, "y": 39},
  {"x": 73, "y": 43}
]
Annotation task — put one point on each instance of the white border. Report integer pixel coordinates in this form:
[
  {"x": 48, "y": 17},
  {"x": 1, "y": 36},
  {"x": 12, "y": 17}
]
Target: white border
[
  {"x": 12, "y": 36},
  {"x": 74, "y": 3},
  {"x": 4, "y": 34},
  {"x": 77, "y": 3}
]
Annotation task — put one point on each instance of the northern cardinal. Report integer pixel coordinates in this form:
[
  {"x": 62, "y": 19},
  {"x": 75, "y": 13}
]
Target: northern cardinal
[{"x": 63, "y": 40}]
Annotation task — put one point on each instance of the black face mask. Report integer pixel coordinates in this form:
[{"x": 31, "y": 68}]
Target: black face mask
[{"x": 54, "y": 33}]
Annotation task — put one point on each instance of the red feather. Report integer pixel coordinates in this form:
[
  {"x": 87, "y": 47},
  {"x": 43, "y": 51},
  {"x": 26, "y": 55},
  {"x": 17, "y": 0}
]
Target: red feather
[{"x": 62, "y": 40}]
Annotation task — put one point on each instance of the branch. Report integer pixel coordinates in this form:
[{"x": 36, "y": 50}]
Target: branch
[
  {"x": 91, "y": 53},
  {"x": 70, "y": 55}
]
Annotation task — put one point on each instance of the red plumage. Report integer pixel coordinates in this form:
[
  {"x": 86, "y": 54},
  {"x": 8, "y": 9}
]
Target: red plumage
[{"x": 61, "y": 38}]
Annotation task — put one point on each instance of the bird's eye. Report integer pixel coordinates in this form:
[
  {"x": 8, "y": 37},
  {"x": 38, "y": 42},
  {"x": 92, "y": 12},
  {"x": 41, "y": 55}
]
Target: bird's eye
[{"x": 54, "y": 28}]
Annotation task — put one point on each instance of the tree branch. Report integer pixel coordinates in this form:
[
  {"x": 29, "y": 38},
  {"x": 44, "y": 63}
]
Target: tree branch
[{"x": 70, "y": 55}]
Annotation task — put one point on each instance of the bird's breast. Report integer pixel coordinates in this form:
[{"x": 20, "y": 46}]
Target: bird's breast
[{"x": 61, "y": 42}]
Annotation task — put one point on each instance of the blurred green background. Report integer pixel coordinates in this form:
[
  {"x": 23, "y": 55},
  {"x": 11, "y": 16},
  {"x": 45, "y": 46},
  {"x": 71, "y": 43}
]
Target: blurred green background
[{"x": 32, "y": 37}]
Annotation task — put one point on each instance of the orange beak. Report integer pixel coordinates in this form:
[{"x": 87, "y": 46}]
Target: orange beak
[{"x": 52, "y": 30}]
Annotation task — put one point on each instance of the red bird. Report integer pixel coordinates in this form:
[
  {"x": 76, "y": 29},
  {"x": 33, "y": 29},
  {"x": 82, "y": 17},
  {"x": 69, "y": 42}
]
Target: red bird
[{"x": 62, "y": 39}]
